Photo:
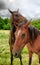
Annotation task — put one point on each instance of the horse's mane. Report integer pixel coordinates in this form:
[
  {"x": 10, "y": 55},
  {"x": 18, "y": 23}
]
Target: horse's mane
[{"x": 33, "y": 32}]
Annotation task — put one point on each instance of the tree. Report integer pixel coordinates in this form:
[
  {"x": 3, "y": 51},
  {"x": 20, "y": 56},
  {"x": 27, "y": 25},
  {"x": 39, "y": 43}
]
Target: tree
[{"x": 1, "y": 23}]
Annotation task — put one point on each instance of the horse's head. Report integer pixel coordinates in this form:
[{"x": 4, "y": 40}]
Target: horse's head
[
  {"x": 21, "y": 38},
  {"x": 16, "y": 17}
]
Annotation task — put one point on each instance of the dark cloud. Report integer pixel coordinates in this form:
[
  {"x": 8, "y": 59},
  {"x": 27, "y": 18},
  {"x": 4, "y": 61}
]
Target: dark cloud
[{"x": 2, "y": 5}]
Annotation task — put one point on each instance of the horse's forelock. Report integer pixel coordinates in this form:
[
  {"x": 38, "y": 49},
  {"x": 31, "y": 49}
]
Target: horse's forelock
[{"x": 20, "y": 24}]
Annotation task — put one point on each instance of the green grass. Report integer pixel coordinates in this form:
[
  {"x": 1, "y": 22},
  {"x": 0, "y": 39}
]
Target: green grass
[{"x": 5, "y": 52}]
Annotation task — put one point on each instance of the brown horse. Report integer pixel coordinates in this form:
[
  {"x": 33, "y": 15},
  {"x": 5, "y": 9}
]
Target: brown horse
[
  {"x": 27, "y": 35},
  {"x": 15, "y": 19}
]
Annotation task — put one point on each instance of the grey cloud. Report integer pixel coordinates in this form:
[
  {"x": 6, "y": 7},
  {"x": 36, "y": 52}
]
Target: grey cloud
[
  {"x": 2, "y": 5},
  {"x": 4, "y": 8},
  {"x": 4, "y": 13}
]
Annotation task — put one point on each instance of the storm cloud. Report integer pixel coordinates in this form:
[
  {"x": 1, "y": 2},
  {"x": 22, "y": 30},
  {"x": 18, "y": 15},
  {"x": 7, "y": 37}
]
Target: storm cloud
[{"x": 2, "y": 5}]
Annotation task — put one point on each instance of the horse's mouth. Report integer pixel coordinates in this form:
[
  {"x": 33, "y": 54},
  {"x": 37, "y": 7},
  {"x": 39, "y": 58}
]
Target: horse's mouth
[{"x": 15, "y": 55}]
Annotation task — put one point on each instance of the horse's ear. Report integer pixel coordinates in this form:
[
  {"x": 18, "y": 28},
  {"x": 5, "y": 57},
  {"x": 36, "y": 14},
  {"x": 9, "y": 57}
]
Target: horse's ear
[
  {"x": 17, "y": 10},
  {"x": 10, "y": 11},
  {"x": 26, "y": 24}
]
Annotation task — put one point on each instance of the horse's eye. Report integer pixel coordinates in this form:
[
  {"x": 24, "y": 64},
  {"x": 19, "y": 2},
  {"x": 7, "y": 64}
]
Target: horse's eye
[
  {"x": 23, "y": 35},
  {"x": 16, "y": 15}
]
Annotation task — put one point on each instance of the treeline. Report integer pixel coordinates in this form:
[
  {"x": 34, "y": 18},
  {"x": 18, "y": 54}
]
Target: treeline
[{"x": 5, "y": 23}]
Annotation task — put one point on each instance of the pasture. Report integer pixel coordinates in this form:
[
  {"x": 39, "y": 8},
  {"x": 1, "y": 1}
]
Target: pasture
[{"x": 5, "y": 52}]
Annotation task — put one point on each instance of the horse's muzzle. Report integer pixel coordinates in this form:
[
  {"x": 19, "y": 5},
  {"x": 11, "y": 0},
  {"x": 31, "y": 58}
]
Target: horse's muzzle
[{"x": 15, "y": 54}]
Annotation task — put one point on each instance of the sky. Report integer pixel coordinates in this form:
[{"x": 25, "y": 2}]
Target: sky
[{"x": 28, "y": 8}]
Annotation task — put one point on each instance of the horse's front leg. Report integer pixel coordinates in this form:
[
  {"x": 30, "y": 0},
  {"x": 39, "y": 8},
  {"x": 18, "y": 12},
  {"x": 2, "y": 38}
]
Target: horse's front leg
[
  {"x": 11, "y": 59},
  {"x": 20, "y": 57},
  {"x": 30, "y": 58}
]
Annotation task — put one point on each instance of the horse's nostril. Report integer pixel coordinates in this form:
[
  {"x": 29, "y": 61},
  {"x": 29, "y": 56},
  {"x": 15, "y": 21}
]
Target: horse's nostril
[{"x": 15, "y": 54}]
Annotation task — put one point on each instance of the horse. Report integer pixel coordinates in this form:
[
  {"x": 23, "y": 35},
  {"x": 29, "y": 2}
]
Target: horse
[
  {"x": 15, "y": 19},
  {"x": 27, "y": 35}
]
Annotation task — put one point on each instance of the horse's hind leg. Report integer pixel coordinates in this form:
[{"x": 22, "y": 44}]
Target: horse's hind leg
[
  {"x": 30, "y": 58},
  {"x": 11, "y": 59},
  {"x": 20, "y": 57}
]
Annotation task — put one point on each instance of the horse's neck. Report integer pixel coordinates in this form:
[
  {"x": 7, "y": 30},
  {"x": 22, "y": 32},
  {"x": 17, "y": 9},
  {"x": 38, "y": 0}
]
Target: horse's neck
[
  {"x": 35, "y": 41},
  {"x": 33, "y": 33},
  {"x": 34, "y": 46}
]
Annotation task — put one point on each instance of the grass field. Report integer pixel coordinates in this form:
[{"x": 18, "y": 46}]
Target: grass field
[{"x": 5, "y": 52}]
